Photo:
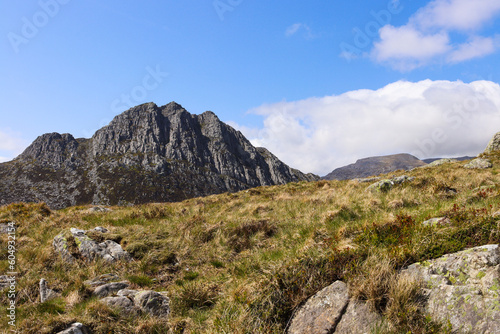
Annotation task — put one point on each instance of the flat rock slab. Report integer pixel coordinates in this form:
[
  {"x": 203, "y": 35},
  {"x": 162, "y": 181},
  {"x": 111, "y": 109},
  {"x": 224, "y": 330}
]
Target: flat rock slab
[
  {"x": 464, "y": 289},
  {"x": 322, "y": 312}
]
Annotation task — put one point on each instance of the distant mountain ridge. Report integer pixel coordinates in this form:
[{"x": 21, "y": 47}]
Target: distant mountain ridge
[
  {"x": 375, "y": 166},
  {"x": 146, "y": 154}
]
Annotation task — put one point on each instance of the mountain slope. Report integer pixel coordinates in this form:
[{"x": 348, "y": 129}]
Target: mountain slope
[
  {"x": 375, "y": 166},
  {"x": 146, "y": 154}
]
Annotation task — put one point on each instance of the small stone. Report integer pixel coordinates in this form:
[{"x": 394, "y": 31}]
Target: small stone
[
  {"x": 127, "y": 293},
  {"x": 110, "y": 288},
  {"x": 101, "y": 280},
  {"x": 100, "y": 229},
  {"x": 437, "y": 221},
  {"x": 46, "y": 294},
  {"x": 153, "y": 303},
  {"x": 76, "y": 328},
  {"x": 123, "y": 303}
]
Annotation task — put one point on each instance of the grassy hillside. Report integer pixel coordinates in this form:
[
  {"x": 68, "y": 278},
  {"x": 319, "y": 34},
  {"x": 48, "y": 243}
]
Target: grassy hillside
[{"x": 243, "y": 262}]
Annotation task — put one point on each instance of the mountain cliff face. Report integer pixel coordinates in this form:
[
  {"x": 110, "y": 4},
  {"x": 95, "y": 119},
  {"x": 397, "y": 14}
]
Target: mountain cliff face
[
  {"x": 375, "y": 166},
  {"x": 146, "y": 154}
]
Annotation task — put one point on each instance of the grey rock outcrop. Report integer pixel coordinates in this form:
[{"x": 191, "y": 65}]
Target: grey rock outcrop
[
  {"x": 494, "y": 144},
  {"x": 87, "y": 248},
  {"x": 146, "y": 154},
  {"x": 464, "y": 289},
  {"x": 479, "y": 163},
  {"x": 375, "y": 166}
]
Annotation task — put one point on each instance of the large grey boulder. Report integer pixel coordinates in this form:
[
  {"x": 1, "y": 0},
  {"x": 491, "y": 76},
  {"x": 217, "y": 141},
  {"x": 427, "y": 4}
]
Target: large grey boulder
[
  {"x": 494, "y": 144},
  {"x": 464, "y": 289},
  {"x": 479, "y": 163},
  {"x": 322, "y": 312}
]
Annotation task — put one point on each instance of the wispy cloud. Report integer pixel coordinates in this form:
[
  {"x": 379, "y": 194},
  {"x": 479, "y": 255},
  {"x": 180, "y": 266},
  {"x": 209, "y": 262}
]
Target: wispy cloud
[
  {"x": 297, "y": 28},
  {"x": 426, "y": 36},
  {"x": 426, "y": 118}
]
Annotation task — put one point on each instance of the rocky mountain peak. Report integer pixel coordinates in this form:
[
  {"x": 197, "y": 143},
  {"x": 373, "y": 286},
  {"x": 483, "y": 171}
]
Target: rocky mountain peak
[{"x": 147, "y": 153}]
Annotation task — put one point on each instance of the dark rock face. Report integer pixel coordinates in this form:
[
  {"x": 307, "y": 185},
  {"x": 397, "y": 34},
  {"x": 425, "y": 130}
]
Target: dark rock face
[
  {"x": 375, "y": 166},
  {"x": 146, "y": 154}
]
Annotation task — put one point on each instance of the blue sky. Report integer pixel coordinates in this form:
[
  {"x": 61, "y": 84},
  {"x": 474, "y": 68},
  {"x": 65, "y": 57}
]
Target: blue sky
[{"x": 320, "y": 83}]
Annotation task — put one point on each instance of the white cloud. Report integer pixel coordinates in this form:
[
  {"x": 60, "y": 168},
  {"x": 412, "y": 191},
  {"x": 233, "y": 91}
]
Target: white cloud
[
  {"x": 457, "y": 14},
  {"x": 296, "y": 28},
  {"x": 475, "y": 48},
  {"x": 427, "y": 119},
  {"x": 409, "y": 45},
  {"x": 426, "y": 36}
]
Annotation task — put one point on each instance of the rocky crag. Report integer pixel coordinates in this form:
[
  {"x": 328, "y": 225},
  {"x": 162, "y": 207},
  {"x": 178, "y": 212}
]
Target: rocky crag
[
  {"x": 146, "y": 154},
  {"x": 375, "y": 166}
]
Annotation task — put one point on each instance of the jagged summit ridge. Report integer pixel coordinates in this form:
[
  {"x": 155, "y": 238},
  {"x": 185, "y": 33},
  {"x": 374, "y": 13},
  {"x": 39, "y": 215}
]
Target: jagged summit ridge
[{"x": 147, "y": 153}]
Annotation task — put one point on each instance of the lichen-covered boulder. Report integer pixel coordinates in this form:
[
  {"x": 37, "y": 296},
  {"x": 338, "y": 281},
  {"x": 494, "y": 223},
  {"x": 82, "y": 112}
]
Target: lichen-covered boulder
[
  {"x": 464, "y": 289},
  {"x": 479, "y": 163},
  {"x": 322, "y": 312}
]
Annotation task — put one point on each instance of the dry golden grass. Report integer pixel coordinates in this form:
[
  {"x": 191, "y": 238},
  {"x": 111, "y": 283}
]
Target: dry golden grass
[{"x": 243, "y": 262}]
